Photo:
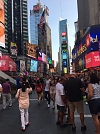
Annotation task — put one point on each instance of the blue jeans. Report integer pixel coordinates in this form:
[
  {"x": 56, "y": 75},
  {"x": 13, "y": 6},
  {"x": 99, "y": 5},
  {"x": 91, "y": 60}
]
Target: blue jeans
[{"x": 47, "y": 96}]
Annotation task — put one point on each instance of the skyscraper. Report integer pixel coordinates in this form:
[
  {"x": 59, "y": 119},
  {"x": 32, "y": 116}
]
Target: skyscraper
[
  {"x": 64, "y": 47},
  {"x": 20, "y": 25},
  {"x": 88, "y": 13},
  {"x": 16, "y": 25},
  {"x": 35, "y": 16}
]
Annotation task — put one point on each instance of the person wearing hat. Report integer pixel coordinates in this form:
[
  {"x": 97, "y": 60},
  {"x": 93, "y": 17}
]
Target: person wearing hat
[{"x": 74, "y": 89}]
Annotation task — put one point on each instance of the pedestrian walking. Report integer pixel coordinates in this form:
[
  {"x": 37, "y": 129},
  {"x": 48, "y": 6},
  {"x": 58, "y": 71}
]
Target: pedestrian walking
[
  {"x": 53, "y": 90},
  {"x": 47, "y": 90},
  {"x": 6, "y": 95},
  {"x": 23, "y": 99},
  {"x": 94, "y": 100},
  {"x": 74, "y": 89}
]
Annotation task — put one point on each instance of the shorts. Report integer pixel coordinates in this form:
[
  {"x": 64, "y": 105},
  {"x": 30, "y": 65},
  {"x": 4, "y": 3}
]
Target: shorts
[
  {"x": 61, "y": 108},
  {"x": 52, "y": 90},
  {"x": 78, "y": 105},
  {"x": 94, "y": 106}
]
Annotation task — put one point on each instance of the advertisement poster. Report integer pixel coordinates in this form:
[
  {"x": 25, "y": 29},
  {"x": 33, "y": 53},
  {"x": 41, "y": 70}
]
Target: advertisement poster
[
  {"x": 31, "y": 50},
  {"x": 44, "y": 58},
  {"x": 2, "y": 26},
  {"x": 13, "y": 49},
  {"x": 7, "y": 64},
  {"x": 28, "y": 64},
  {"x": 33, "y": 67},
  {"x": 92, "y": 59},
  {"x": 22, "y": 66}
]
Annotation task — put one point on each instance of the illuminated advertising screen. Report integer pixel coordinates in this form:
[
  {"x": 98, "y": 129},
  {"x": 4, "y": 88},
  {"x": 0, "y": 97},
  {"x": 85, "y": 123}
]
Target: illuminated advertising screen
[
  {"x": 28, "y": 64},
  {"x": 36, "y": 8},
  {"x": 92, "y": 59},
  {"x": 64, "y": 56},
  {"x": 49, "y": 61},
  {"x": 13, "y": 49},
  {"x": 63, "y": 34},
  {"x": 65, "y": 70},
  {"x": 7, "y": 64},
  {"x": 2, "y": 24},
  {"x": 64, "y": 63},
  {"x": 22, "y": 66},
  {"x": 31, "y": 50},
  {"x": 44, "y": 58},
  {"x": 33, "y": 66}
]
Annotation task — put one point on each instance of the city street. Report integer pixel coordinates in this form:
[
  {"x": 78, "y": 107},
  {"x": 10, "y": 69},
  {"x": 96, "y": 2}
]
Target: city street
[{"x": 42, "y": 120}]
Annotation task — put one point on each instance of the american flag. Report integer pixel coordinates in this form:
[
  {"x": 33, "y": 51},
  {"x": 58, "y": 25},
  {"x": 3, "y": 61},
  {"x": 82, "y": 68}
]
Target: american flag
[{"x": 42, "y": 19}]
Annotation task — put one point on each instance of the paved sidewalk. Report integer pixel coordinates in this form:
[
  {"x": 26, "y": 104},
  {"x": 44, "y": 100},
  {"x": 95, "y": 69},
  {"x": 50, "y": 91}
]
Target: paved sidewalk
[{"x": 42, "y": 119}]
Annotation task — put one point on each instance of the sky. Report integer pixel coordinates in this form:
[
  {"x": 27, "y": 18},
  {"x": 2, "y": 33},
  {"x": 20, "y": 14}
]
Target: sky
[{"x": 66, "y": 9}]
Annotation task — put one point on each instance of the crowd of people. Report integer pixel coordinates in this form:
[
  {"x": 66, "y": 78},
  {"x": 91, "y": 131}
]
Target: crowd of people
[{"x": 68, "y": 93}]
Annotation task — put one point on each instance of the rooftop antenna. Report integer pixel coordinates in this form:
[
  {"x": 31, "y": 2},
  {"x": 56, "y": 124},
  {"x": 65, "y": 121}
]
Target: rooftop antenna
[{"x": 61, "y": 8}]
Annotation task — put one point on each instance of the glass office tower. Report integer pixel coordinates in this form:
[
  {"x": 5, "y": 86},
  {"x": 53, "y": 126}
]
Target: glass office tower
[
  {"x": 35, "y": 16},
  {"x": 64, "y": 47}
]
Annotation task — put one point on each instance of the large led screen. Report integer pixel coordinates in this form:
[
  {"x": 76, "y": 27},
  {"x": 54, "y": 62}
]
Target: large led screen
[
  {"x": 2, "y": 26},
  {"x": 64, "y": 56},
  {"x": 33, "y": 67}
]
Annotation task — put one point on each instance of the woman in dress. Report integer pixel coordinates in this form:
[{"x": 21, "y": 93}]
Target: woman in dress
[{"x": 53, "y": 90}]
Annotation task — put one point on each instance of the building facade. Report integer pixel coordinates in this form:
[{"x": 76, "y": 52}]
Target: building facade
[
  {"x": 86, "y": 52},
  {"x": 4, "y": 37},
  {"x": 64, "y": 47},
  {"x": 88, "y": 13},
  {"x": 35, "y": 16},
  {"x": 16, "y": 26}
]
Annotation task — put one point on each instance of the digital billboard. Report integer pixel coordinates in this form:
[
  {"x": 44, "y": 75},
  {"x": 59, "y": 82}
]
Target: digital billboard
[
  {"x": 36, "y": 8},
  {"x": 64, "y": 63},
  {"x": 22, "y": 66},
  {"x": 31, "y": 50},
  {"x": 2, "y": 24},
  {"x": 33, "y": 66},
  {"x": 49, "y": 61},
  {"x": 44, "y": 57},
  {"x": 13, "y": 49},
  {"x": 92, "y": 59},
  {"x": 7, "y": 64},
  {"x": 64, "y": 56}
]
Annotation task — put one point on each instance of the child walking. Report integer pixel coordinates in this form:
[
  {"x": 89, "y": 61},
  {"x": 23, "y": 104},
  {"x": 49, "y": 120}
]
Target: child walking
[{"x": 23, "y": 99}]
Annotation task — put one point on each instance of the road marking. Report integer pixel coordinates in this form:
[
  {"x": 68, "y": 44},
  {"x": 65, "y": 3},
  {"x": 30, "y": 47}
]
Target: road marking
[
  {"x": 33, "y": 99},
  {"x": 86, "y": 116}
]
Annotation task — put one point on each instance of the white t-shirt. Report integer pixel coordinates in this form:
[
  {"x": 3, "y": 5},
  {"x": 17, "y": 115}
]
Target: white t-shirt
[
  {"x": 59, "y": 91},
  {"x": 47, "y": 85}
]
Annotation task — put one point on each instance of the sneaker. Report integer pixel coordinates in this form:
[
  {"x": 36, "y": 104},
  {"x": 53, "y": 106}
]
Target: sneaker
[
  {"x": 23, "y": 129},
  {"x": 74, "y": 128},
  {"x": 27, "y": 124},
  {"x": 83, "y": 128},
  {"x": 48, "y": 105},
  {"x": 10, "y": 106}
]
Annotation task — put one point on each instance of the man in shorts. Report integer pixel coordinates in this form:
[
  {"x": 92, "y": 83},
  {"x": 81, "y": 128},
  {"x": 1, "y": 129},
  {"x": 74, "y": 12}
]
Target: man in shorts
[
  {"x": 74, "y": 89},
  {"x": 60, "y": 101}
]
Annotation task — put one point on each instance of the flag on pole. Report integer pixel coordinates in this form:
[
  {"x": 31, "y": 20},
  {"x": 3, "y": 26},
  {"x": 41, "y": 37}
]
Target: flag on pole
[{"x": 42, "y": 19}]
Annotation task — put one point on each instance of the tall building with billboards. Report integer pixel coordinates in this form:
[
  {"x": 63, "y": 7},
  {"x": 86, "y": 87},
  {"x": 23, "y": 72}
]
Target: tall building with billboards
[
  {"x": 64, "y": 48},
  {"x": 16, "y": 26},
  {"x": 88, "y": 13},
  {"x": 3, "y": 27},
  {"x": 20, "y": 25}
]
